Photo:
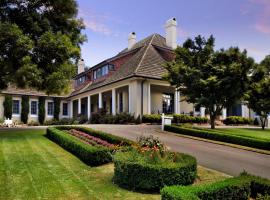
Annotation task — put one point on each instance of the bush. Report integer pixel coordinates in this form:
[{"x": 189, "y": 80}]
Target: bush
[
  {"x": 8, "y": 107},
  {"x": 99, "y": 134},
  {"x": 90, "y": 155},
  {"x": 154, "y": 118},
  {"x": 132, "y": 171},
  {"x": 236, "y": 120},
  {"x": 238, "y": 188},
  {"x": 25, "y": 109},
  {"x": 33, "y": 123},
  {"x": 218, "y": 136},
  {"x": 56, "y": 110},
  {"x": 41, "y": 109}
]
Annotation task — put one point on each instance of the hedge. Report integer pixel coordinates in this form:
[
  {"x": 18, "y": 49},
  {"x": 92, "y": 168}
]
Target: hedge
[
  {"x": 238, "y": 188},
  {"x": 135, "y": 174},
  {"x": 41, "y": 110},
  {"x": 25, "y": 109},
  {"x": 233, "y": 120},
  {"x": 56, "y": 109},
  {"x": 8, "y": 107},
  {"x": 218, "y": 136},
  {"x": 156, "y": 118},
  {"x": 102, "y": 135},
  {"x": 90, "y": 155}
]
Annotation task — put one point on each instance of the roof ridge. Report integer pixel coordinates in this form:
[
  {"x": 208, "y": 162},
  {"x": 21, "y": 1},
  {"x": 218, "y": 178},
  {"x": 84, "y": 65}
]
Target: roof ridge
[{"x": 150, "y": 43}]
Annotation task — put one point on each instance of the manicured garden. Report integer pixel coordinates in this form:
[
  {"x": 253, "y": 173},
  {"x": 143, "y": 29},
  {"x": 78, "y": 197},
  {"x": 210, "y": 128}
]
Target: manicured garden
[
  {"x": 33, "y": 167},
  {"x": 255, "y": 138}
]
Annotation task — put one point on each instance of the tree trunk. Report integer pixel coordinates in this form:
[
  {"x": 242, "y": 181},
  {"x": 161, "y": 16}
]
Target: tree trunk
[
  {"x": 212, "y": 121},
  {"x": 263, "y": 121}
]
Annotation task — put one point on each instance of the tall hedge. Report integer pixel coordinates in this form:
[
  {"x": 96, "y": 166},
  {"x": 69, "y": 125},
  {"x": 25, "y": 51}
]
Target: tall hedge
[
  {"x": 25, "y": 109},
  {"x": 41, "y": 110},
  {"x": 8, "y": 107},
  {"x": 56, "y": 112}
]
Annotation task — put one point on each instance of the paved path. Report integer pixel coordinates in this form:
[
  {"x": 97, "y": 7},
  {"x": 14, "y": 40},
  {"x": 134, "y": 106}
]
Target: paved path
[{"x": 222, "y": 158}]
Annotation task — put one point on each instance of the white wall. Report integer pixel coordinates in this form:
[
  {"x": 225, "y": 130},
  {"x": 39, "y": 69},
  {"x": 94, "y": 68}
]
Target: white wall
[{"x": 2, "y": 99}]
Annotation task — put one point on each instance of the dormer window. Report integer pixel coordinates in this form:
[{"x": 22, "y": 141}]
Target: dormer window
[
  {"x": 80, "y": 80},
  {"x": 102, "y": 71}
]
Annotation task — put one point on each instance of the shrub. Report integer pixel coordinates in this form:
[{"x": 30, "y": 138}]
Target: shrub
[
  {"x": 25, "y": 109},
  {"x": 90, "y": 155},
  {"x": 64, "y": 121},
  {"x": 56, "y": 110},
  {"x": 8, "y": 107},
  {"x": 33, "y": 123},
  {"x": 154, "y": 118},
  {"x": 41, "y": 109},
  {"x": 238, "y": 188},
  {"x": 218, "y": 136},
  {"x": 133, "y": 171},
  {"x": 234, "y": 120},
  {"x": 82, "y": 119},
  {"x": 178, "y": 119}
]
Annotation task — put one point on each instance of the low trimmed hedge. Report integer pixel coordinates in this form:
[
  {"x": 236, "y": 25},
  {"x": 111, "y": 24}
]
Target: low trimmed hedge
[
  {"x": 177, "y": 118},
  {"x": 238, "y": 188},
  {"x": 236, "y": 120},
  {"x": 218, "y": 136},
  {"x": 90, "y": 155},
  {"x": 102, "y": 135},
  {"x": 134, "y": 173}
]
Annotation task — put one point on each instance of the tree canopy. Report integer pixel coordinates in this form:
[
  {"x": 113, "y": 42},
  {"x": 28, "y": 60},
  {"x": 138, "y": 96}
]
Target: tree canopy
[
  {"x": 258, "y": 95},
  {"x": 39, "y": 43},
  {"x": 209, "y": 78}
]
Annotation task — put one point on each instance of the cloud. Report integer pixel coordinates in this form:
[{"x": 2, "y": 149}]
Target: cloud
[
  {"x": 181, "y": 32},
  {"x": 95, "y": 22},
  {"x": 262, "y": 24}
]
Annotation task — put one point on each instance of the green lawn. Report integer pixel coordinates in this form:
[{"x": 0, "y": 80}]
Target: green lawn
[
  {"x": 33, "y": 167},
  {"x": 246, "y": 132}
]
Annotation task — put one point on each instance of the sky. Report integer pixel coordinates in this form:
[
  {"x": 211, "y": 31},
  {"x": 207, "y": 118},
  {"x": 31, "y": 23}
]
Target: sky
[{"x": 242, "y": 23}]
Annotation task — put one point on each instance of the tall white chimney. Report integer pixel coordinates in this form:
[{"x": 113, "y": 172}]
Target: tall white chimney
[
  {"x": 171, "y": 33},
  {"x": 81, "y": 66},
  {"x": 131, "y": 40}
]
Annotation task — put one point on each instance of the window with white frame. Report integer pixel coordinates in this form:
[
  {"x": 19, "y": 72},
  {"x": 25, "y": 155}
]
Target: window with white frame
[
  {"x": 16, "y": 107},
  {"x": 102, "y": 71},
  {"x": 50, "y": 108},
  {"x": 65, "y": 109},
  {"x": 33, "y": 107}
]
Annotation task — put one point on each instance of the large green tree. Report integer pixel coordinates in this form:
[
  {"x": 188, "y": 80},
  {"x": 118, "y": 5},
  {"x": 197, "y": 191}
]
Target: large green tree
[
  {"x": 39, "y": 43},
  {"x": 258, "y": 95},
  {"x": 209, "y": 78}
]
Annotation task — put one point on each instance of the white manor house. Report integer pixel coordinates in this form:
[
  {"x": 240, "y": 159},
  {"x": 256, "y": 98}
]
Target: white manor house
[{"x": 131, "y": 81}]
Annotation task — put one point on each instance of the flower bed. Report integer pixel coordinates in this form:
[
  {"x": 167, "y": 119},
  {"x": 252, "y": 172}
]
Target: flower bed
[
  {"x": 238, "y": 188},
  {"x": 89, "y": 139},
  {"x": 149, "y": 167}
]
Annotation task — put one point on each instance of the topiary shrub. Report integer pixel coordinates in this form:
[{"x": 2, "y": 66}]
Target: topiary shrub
[
  {"x": 41, "y": 109},
  {"x": 236, "y": 120},
  {"x": 56, "y": 111},
  {"x": 25, "y": 109},
  {"x": 8, "y": 107}
]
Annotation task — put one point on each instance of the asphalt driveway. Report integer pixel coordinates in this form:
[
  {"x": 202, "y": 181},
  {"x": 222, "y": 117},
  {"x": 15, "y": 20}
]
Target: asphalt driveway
[{"x": 226, "y": 159}]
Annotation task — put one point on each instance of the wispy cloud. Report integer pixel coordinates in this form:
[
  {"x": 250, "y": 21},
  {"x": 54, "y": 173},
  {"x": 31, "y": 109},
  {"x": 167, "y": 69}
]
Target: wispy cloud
[
  {"x": 182, "y": 32},
  {"x": 262, "y": 23}
]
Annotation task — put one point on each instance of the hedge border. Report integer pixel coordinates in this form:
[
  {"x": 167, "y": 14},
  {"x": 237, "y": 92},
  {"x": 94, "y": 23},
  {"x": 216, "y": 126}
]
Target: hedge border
[
  {"x": 141, "y": 176},
  {"x": 238, "y": 188},
  {"x": 217, "y": 136},
  {"x": 91, "y": 155}
]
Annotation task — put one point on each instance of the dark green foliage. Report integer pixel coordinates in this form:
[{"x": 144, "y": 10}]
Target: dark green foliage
[
  {"x": 39, "y": 43},
  {"x": 209, "y": 78},
  {"x": 41, "y": 109},
  {"x": 102, "y": 135},
  {"x": 258, "y": 95},
  {"x": 25, "y": 109},
  {"x": 90, "y": 155},
  {"x": 218, "y": 136},
  {"x": 237, "y": 120},
  {"x": 132, "y": 173},
  {"x": 64, "y": 121},
  {"x": 8, "y": 107},
  {"x": 56, "y": 111},
  {"x": 101, "y": 117},
  {"x": 154, "y": 118},
  {"x": 238, "y": 188}
]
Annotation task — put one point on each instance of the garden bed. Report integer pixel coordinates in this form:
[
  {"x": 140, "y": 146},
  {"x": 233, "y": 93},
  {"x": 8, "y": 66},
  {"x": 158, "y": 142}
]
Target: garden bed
[{"x": 92, "y": 147}]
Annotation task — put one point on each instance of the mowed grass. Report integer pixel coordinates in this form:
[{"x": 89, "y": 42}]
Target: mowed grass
[
  {"x": 247, "y": 132},
  {"x": 33, "y": 167}
]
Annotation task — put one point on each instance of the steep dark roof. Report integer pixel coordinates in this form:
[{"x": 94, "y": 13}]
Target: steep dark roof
[{"x": 146, "y": 62}]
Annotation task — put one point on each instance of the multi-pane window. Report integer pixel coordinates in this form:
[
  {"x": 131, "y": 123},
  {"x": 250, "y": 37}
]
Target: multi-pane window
[
  {"x": 50, "y": 108},
  {"x": 65, "y": 109},
  {"x": 81, "y": 80},
  {"x": 167, "y": 103},
  {"x": 33, "y": 108},
  {"x": 102, "y": 71},
  {"x": 16, "y": 107}
]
